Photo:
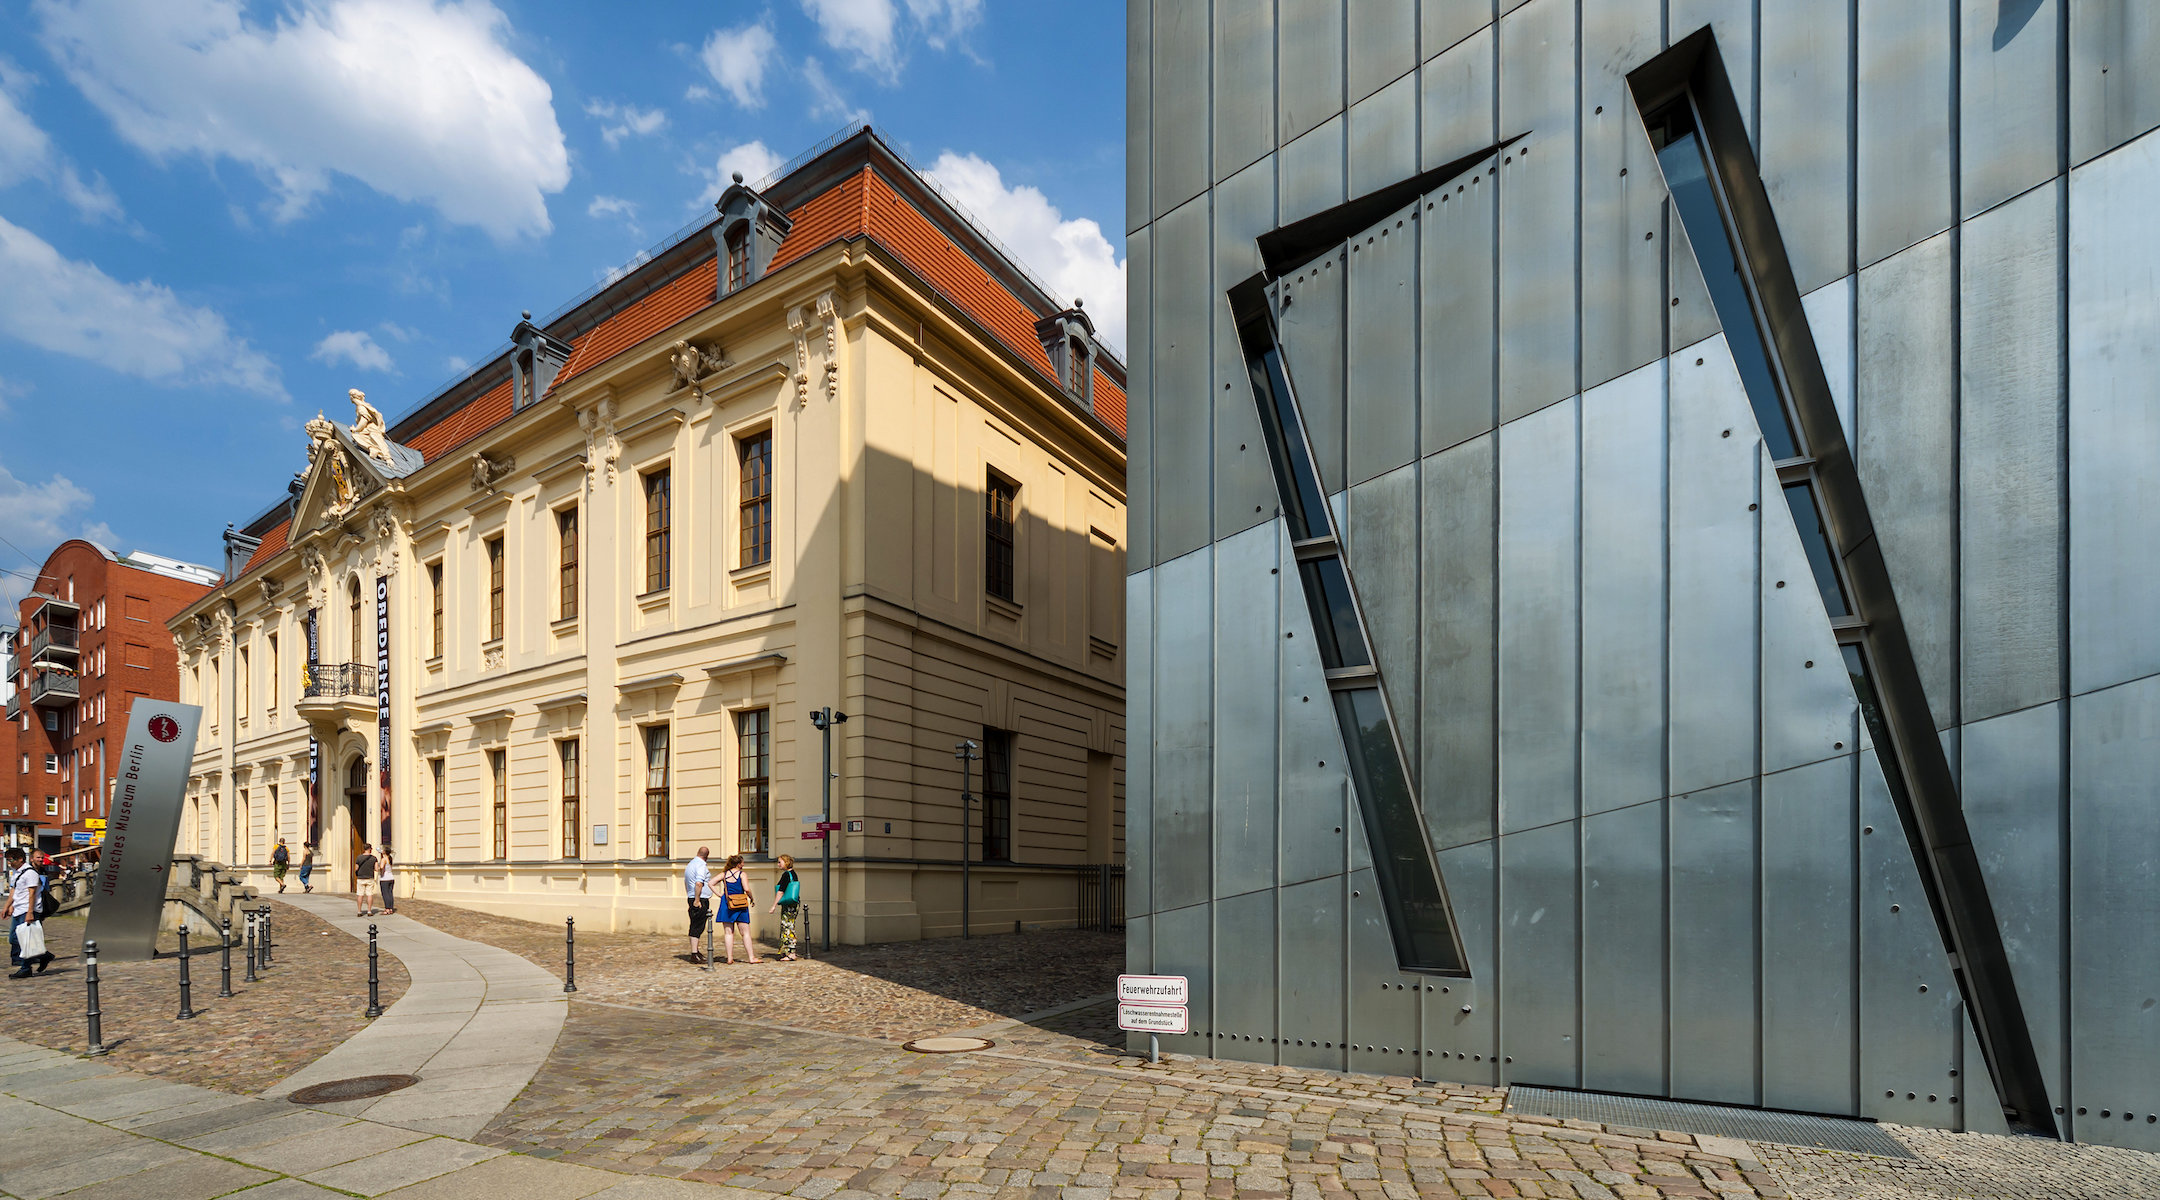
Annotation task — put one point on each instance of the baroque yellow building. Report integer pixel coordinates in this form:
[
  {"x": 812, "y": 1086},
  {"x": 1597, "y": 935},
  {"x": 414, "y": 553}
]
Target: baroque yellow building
[{"x": 568, "y": 620}]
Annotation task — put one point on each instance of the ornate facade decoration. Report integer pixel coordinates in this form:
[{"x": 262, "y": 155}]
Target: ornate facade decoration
[
  {"x": 797, "y": 326},
  {"x": 269, "y": 588},
  {"x": 318, "y": 575},
  {"x": 385, "y": 522},
  {"x": 692, "y": 364},
  {"x": 490, "y": 469},
  {"x": 602, "y": 447},
  {"x": 369, "y": 432},
  {"x": 830, "y": 315}
]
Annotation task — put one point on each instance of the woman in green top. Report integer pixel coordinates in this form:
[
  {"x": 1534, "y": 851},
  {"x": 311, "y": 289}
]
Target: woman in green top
[{"x": 787, "y": 897}]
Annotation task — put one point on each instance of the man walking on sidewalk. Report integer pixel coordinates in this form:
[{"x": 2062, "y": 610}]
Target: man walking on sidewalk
[
  {"x": 697, "y": 885},
  {"x": 24, "y": 884},
  {"x": 364, "y": 882}
]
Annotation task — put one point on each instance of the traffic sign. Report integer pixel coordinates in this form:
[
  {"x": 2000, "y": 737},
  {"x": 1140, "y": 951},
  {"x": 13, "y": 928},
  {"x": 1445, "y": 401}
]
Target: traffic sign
[
  {"x": 94, "y": 823},
  {"x": 1154, "y": 1018},
  {"x": 1153, "y": 989},
  {"x": 83, "y": 839},
  {"x": 813, "y": 835},
  {"x": 828, "y": 825}
]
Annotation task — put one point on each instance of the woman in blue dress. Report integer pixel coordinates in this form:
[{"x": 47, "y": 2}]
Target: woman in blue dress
[{"x": 733, "y": 918}]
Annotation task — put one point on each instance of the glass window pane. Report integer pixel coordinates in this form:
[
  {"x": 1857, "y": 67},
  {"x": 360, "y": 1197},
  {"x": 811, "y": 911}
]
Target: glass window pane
[
  {"x": 1335, "y": 619},
  {"x": 1297, "y": 484},
  {"x": 1807, "y": 518},
  {"x": 1695, "y": 200},
  {"x": 1402, "y": 865}
]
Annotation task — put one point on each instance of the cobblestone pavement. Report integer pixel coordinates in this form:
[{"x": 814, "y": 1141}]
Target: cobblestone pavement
[
  {"x": 309, "y": 1002},
  {"x": 1968, "y": 1166},
  {"x": 836, "y": 1118},
  {"x": 898, "y": 990}
]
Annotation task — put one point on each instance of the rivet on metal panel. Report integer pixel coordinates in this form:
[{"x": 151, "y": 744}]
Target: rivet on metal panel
[
  {"x": 1338, "y": 828},
  {"x": 1923, "y": 987},
  {"x": 1698, "y": 362},
  {"x": 1509, "y": 1058},
  {"x": 1837, "y": 745},
  {"x": 1727, "y": 433},
  {"x": 1953, "y": 1074},
  {"x": 1895, "y": 908},
  {"x": 1781, "y": 583},
  {"x": 1600, "y": 108},
  {"x": 1623, "y": 171},
  {"x": 1809, "y": 664},
  {"x": 1354, "y": 894},
  {"x": 1751, "y": 508},
  {"x": 1466, "y": 1008},
  {"x": 1867, "y": 829},
  {"x": 2081, "y": 1110},
  {"x": 1912, "y": 1096},
  {"x": 1647, "y": 236},
  {"x": 1676, "y": 301},
  {"x": 1931, "y": 1100}
]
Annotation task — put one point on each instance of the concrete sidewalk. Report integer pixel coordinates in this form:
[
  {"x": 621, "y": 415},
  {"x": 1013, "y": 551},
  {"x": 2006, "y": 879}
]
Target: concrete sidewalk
[
  {"x": 78, "y": 1130},
  {"x": 474, "y": 1025}
]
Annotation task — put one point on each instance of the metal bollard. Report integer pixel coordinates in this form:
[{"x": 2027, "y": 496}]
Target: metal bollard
[
  {"x": 224, "y": 990},
  {"x": 250, "y": 919},
  {"x": 374, "y": 999},
  {"x": 94, "y": 1015},
  {"x": 187, "y": 988},
  {"x": 266, "y": 937},
  {"x": 569, "y": 954}
]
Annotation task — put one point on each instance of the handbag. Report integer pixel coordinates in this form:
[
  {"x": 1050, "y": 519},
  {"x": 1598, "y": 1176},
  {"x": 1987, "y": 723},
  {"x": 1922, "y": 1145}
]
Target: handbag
[
  {"x": 30, "y": 939},
  {"x": 737, "y": 901}
]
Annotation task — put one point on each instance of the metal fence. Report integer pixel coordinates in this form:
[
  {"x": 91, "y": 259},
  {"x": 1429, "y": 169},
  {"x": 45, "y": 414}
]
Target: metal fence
[{"x": 1102, "y": 896}]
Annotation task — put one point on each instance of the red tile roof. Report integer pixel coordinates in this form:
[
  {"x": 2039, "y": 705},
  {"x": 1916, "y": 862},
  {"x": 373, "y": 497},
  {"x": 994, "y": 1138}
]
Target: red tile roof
[
  {"x": 1109, "y": 402},
  {"x": 465, "y": 424},
  {"x": 832, "y": 215},
  {"x": 273, "y": 544},
  {"x": 672, "y": 302}
]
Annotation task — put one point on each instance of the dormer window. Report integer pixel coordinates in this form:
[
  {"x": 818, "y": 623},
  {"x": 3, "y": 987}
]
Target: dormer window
[
  {"x": 534, "y": 363},
  {"x": 1068, "y": 339},
  {"x": 749, "y": 233},
  {"x": 738, "y": 256}
]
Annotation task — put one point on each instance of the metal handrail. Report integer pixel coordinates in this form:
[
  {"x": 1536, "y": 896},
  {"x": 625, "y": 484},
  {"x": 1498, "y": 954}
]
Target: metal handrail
[
  {"x": 55, "y": 637},
  {"x": 327, "y": 680},
  {"x": 47, "y": 684}
]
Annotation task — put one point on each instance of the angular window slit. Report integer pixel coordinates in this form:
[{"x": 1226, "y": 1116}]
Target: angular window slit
[{"x": 1719, "y": 197}]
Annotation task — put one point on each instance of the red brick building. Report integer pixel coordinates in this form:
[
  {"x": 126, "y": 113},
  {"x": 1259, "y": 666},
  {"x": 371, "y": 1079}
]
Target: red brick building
[{"x": 89, "y": 638}]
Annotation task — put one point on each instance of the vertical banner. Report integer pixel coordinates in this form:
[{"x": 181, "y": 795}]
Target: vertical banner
[
  {"x": 142, "y": 829},
  {"x": 314, "y": 747},
  {"x": 382, "y": 705}
]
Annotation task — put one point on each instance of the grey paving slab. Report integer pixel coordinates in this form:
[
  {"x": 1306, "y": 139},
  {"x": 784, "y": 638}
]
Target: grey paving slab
[
  {"x": 208, "y": 1119},
  {"x": 514, "y": 1175},
  {"x": 327, "y": 1148},
  {"x": 72, "y": 1169},
  {"x": 211, "y": 1102},
  {"x": 197, "y": 1177},
  {"x": 475, "y": 1102},
  {"x": 288, "y": 1189},
  {"x": 393, "y": 1169},
  {"x": 290, "y": 1123},
  {"x": 465, "y": 1128},
  {"x": 44, "y": 1141},
  {"x": 158, "y": 1096},
  {"x": 651, "y": 1188}
]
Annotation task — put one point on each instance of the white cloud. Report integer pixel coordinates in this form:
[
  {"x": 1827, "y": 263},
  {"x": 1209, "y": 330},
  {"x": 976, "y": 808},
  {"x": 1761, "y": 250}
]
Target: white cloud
[
  {"x": 945, "y": 21},
  {"x": 736, "y": 59},
  {"x": 11, "y": 390},
  {"x": 403, "y": 333},
  {"x": 38, "y": 517},
  {"x": 27, "y": 153},
  {"x": 752, "y": 160},
  {"x": 611, "y": 206},
  {"x": 138, "y": 329},
  {"x": 421, "y": 100},
  {"x": 627, "y": 119},
  {"x": 1071, "y": 256},
  {"x": 608, "y": 275},
  {"x": 826, "y": 100},
  {"x": 697, "y": 91},
  {"x": 862, "y": 28},
  {"x": 354, "y": 346},
  {"x": 458, "y": 366}
]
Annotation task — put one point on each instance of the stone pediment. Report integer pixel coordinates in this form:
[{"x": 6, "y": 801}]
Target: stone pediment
[{"x": 347, "y": 466}]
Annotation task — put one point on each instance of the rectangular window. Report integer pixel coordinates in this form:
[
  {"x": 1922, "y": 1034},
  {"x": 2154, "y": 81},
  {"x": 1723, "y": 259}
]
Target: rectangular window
[
  {"x": 566, "y": 558},
  {"x": 442, "y": 812},
  {"x": 52, "y": 764},
  {"x": 997, "y": 795},
  {"x": 659, "y": 520},
  {"x": 499, "y": 771},
  {"x": 275, "y": 667},
  {"x": 52, "y": 806},
  {"x": 738, "y": 258},
  {"x": 656, "y": 791},
  {"x": 753, "y": 740},
  {"x": 435, "y": 615},
  {"x": 1001, "y": 504},
  {"x": 495, "y": 588},
  {"x": 755, "y": 454},
  {"x": 567, "y": 751},
  {"x": 246, "y": 682}
]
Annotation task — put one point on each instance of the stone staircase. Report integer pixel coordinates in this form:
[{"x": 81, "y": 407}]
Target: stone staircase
[{"x": 203, "y": 894}]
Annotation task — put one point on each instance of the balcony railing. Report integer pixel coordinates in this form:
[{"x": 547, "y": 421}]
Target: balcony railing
[
  {"x": 330, "y": 680},
  {"x": 53, "y": 689},
  {"x": 55, "y": 637}
]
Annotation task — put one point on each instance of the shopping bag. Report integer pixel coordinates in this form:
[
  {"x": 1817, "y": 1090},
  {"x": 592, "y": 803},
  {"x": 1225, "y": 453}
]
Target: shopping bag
[{"x": 30, "y": 939}]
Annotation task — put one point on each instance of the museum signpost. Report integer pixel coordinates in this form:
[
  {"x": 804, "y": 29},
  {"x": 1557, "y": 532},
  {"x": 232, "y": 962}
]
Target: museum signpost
[{"x": 128, "y": 896}]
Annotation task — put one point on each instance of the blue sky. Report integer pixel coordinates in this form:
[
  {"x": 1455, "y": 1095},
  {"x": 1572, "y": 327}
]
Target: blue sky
[{"x": 217, "y": 215}]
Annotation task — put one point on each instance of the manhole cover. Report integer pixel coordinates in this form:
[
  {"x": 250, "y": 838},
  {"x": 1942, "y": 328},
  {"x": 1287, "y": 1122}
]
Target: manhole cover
[
  {"x": 948, "y": 1045},
  {"x": 365, "y": 1087}
]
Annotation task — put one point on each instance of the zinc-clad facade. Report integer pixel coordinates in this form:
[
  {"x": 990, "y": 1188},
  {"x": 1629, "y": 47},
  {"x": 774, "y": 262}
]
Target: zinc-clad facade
[{"x": 1676, "y": 862}]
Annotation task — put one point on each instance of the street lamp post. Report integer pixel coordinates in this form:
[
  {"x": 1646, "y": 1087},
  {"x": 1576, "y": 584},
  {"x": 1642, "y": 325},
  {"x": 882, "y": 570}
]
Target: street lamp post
[
  {"x": 966, "y": 752},
  {"x": 825, "y": 719}
]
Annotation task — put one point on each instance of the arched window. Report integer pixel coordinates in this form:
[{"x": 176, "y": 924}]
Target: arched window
[
  {"x": 356, "y": 776},
  {"x": 359, "y": 652},
  {"x": 738, "y": 256}
]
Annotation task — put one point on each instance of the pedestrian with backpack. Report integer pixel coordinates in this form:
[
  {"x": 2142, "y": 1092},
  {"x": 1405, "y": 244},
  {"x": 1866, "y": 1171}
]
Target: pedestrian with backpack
[
  {"x": 280, "y": 859},
  {"x": 787, "y": 900}
]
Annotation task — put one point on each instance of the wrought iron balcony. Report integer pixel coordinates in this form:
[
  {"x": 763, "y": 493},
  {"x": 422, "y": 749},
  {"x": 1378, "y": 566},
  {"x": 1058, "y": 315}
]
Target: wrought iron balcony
[
  {"x": 331, "y": 680},
  {"x": 53, "y": 689},
  {"x": 59, "y": 639}
]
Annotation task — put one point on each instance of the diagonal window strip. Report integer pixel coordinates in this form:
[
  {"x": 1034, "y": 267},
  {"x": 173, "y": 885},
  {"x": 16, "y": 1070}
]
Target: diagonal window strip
[
  {"x": 1420, "y": 921},
  {"x": 1720, "y": 200}
]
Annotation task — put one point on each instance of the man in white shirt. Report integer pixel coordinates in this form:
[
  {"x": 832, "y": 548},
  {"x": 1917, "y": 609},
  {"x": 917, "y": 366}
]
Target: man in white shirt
[
  {"x": 697, "y": 885},
  {"x": 23, "y": 886}
]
